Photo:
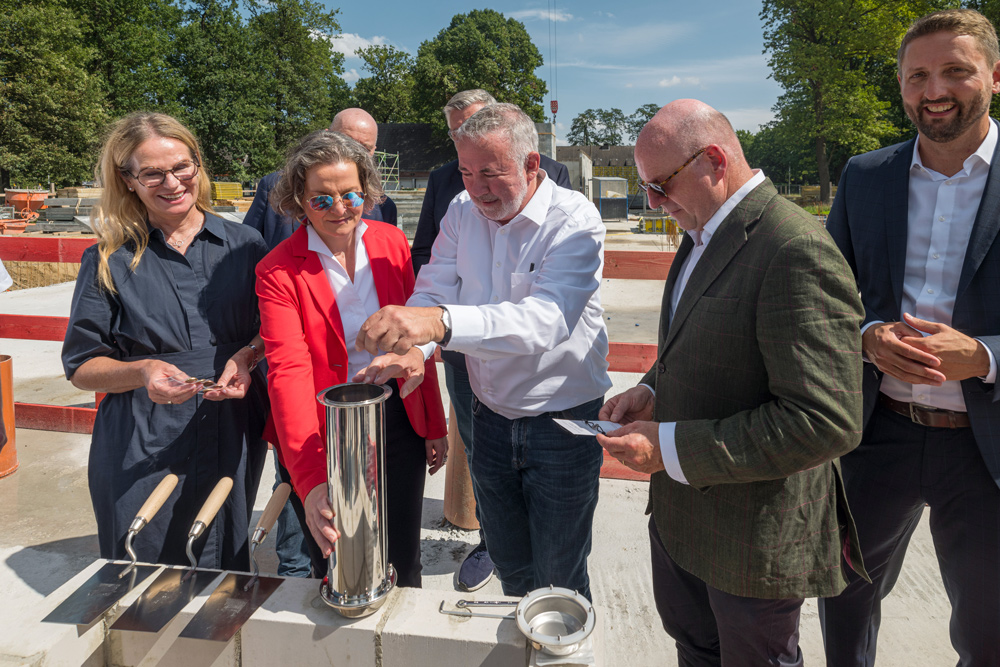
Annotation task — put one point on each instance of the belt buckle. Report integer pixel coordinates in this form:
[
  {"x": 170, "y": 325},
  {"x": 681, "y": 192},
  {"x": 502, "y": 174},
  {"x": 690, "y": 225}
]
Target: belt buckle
[{"x": 915, "y": 415}]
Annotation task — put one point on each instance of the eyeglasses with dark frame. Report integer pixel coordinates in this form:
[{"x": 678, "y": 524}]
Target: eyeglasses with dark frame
[
  {"x": 326, "y": 202},
  {"x": 151, "y": 178},
  {"x": 658, "y": 188}
]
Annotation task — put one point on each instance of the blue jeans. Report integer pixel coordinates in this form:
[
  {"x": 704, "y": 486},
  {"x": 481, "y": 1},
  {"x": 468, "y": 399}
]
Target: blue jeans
[
  {"x": 536, "y": 487},
  {"x": 289, "y": 545}
]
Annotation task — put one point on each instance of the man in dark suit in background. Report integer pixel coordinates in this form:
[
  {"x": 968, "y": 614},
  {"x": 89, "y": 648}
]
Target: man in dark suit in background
[
  {"x": 755, "y": 393},
  {"x": 444, "y": 184},
  {"x": 293, "y": 558},
  {"x": 918, "y": 222},
  {"x": 355, "y": 123}
]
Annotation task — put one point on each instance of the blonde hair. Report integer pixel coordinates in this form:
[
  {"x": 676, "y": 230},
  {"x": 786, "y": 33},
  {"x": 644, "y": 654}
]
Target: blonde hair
[
  {"x": 323, "y": 147},
  {"x": 121, "y": 217}
]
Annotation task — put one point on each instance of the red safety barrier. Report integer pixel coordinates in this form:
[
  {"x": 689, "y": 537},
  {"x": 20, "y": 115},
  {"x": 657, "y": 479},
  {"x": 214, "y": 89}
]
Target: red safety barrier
[{"x": 622, "y": 357}]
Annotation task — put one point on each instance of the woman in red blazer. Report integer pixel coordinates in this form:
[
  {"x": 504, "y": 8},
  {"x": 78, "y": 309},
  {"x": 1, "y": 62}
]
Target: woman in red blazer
[{"x": 315, "y": 290}]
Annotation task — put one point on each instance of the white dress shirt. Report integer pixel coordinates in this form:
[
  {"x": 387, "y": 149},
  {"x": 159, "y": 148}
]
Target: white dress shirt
[
  {"x": 524, "y": 301},
  {"x": 942, "y": 210},
  {"x": 357, "y": 300},
  {"x": 668, "y": 446}
]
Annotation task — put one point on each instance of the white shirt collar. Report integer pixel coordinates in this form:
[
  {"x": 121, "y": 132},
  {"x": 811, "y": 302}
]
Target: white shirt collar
[
  {"x": 983, "y": 154},
  {"x": 316, "y": 243},
  {"x": 705, "y": 235}
]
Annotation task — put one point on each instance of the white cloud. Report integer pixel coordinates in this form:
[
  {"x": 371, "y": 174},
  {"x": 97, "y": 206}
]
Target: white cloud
[
  {"x": 349, "y": 42},
  {"x": 540, "y": 15},
  {"x": 676, "y": 81},
  {"x": 351, "y": 75},
  {"x": 605, "y": 15}
]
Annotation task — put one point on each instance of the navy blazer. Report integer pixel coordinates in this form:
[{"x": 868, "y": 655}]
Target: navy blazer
[
  {"x": 276, "y": 228},
  {"x": 444, "y": 184},
  {"x": 868, "y": 221}
]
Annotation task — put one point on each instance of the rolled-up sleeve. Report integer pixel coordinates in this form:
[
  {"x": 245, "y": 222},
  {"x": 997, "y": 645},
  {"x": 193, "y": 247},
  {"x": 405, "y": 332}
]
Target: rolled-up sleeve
[{"x": 91, "y": 318}]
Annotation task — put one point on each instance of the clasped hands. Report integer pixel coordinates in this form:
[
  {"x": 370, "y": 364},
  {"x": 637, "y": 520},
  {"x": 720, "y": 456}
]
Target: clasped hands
[{"x": 901, "y": 350}]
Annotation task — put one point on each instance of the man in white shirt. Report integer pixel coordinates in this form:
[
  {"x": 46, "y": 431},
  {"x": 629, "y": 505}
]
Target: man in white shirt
[
  {"x": 919, "y": 223},
  {"x": 513, "y": 283},
  {"x": 755, "y": 392}
]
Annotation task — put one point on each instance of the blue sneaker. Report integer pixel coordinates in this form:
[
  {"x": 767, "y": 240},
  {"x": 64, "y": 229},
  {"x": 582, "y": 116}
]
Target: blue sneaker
[{"x": 476, "y": 570}]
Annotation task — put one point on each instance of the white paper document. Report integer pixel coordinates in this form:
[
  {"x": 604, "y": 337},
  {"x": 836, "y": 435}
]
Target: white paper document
[{"x": 586, "y": 426}]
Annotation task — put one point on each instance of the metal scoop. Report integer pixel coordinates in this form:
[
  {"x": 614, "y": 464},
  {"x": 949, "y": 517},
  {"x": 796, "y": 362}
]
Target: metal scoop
[
  {"x": 110, "y": 583},
  {"x": 239, "y": 595},
  {"x": 175, "y": 587}
]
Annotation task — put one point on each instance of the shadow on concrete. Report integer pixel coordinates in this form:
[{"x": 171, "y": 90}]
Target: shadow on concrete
[{"x": 47, "y": 566}]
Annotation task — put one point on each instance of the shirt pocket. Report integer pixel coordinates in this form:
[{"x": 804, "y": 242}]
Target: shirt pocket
[{"x": 520, "y": 285}]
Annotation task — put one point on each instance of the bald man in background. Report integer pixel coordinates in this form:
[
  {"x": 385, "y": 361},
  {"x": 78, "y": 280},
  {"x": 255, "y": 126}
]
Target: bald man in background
[{"x": 356, "y": 123}]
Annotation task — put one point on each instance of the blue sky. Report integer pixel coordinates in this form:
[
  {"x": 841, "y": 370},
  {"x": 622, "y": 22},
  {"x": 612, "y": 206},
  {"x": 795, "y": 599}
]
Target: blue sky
[{"x": 609, "y": 54}]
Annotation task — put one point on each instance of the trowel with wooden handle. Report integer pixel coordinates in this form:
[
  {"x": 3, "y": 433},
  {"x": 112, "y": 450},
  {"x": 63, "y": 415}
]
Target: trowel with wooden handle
[
  {"x": 176, "y": 586},
  {"x": 239, "y": 595},
  {"x": 110, "y": 583}
]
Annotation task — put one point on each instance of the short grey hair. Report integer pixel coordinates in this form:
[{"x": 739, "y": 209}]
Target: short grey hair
[
  {"x": 507, "y": 120},
  {"x": 323, "y": 147},
  {"x": 466, "y": 99}
]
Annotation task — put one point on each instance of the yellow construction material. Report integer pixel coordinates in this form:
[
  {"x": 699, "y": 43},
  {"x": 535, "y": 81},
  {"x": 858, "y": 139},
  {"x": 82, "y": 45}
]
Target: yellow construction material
[{"x": 222, "y": 190}]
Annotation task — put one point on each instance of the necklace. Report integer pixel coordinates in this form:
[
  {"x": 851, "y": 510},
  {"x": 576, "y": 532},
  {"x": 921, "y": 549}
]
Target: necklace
[{"x": 178, "y": 244}]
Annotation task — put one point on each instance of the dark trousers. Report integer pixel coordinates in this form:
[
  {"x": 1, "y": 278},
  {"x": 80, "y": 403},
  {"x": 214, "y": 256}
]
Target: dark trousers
[
  {"x": 713, "y": 628},
  {"x": 405, "y": 472},
  {"x": 898, "y": 468}
]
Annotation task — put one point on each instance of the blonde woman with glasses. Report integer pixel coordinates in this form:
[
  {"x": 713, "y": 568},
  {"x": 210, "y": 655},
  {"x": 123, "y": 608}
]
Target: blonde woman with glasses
[{"x": 164, "y": 321}]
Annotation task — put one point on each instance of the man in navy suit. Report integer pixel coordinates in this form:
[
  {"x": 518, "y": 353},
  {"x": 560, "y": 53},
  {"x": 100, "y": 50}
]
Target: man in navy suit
[
  {"x": 355, "y": 123},
  {"x": 445, "y": 183},
  {"x": 293, "y": 558},
  {"x": 919, "y": 222}
]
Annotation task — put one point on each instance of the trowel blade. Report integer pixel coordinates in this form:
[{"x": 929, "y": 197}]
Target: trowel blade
[
  {"x": 96, "y": 595},
  {"x": 166, "y": 596},
  {"x": 229, "y": 607}
]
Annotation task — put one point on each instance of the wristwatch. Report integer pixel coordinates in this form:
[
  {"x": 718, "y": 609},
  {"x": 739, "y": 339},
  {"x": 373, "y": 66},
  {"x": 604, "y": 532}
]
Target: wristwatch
[{"x": 446, "y": 321}]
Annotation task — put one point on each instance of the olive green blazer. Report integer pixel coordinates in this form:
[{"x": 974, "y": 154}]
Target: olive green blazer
[{"x": 761, "y": 369}]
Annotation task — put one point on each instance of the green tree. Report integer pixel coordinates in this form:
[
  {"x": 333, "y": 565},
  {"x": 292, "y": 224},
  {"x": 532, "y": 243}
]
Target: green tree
[
  {"x": 481, "y": 49},
  {"x": 222, "y": 91},
  {"x": 823, "y": 52},
  {"x": 386, "y": 92},
  {"x": 290, "y": 41},
  {"x": 639, "y": 118},
  {"x": 132, "y": 38},
  {"x": 51, "y": 108},
  {"x": 598, "y": 126},
  {"x": 584, "y": 129}
]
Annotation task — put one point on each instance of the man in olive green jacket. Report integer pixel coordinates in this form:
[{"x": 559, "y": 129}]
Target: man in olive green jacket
[{"x": 755, "y": 393}]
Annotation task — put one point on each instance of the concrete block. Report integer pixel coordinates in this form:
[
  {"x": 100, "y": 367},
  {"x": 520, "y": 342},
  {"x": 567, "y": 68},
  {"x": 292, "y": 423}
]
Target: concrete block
[
  {"x": 145, "y": 649},
  {"x": 26, "y": 640},
  {"x": 417, "y": 635},
  {"x": 295, "y": 627}
]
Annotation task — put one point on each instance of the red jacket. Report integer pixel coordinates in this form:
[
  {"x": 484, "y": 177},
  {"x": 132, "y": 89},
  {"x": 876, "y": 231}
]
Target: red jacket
[{"x": 306, "y": 351}]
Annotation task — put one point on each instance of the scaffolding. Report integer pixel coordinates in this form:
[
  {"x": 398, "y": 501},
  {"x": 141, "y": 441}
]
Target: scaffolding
[{"x": 388, "y": 167}]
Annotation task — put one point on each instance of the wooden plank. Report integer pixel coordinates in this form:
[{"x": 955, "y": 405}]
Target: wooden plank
[
  {"x": 631, "y": 357},
  {"x": 54, "y": 418},
  {"x": 41, "y": 249},
  {"x": 636, "y": 264},
  {"x": 33, "y": 327}
]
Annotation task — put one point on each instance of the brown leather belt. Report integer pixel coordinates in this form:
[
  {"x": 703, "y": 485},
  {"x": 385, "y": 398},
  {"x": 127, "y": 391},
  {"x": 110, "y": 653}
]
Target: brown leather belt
[{"x": 926, "y": 415}]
